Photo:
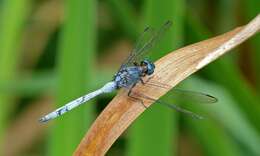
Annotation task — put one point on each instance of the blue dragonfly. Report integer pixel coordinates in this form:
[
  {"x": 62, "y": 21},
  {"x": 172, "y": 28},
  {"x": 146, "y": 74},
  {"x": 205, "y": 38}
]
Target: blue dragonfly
[{"x": 132, "y": 71}]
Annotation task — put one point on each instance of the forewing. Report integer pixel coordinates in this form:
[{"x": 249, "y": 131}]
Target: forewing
[
  {"x": 147, "y": 34},
  {"x": 184, "y": 95},
  {"x": 145, "y": 43}
]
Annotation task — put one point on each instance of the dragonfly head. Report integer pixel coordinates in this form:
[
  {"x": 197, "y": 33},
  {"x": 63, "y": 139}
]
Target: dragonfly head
[{"x": 148, "y": 67}]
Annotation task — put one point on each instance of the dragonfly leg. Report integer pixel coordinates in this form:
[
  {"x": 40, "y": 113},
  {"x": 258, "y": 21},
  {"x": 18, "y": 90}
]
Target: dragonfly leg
[
  {"x": 177, "y": 108},
  {"x": 155, "y": 84},
  {"x": 149, "y": 78},
  {"x": 135, "y": 98},
  {"x": 142, "y": 81},
  {"x": 146, "y": 81}
]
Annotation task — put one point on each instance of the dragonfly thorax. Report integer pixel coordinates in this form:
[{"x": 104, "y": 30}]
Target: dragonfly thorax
[{"x": 129, "y": 76}]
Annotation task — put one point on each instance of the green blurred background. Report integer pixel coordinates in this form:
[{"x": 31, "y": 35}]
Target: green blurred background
[{"x": 52, "y": 51}]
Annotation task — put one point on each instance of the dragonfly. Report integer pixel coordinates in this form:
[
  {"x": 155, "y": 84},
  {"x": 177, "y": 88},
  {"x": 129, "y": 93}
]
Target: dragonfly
[{"x": 132, "y": 71}]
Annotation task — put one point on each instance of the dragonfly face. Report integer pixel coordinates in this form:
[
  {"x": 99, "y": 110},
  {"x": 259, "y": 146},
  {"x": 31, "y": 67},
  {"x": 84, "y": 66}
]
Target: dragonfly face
[{"x": 148, "y": 67}]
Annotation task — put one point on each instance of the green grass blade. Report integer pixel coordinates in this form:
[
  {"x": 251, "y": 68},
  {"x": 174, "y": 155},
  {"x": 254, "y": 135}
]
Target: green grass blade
[
  {"x": 155, "y": 132},
  {"x": 212, "y": 138},
  {"x": 41, "y": 82},
  {"x": 238, "y": 87},
  {"x": 226, "y": 13},
  {"x": 229, "y": 67},
  {"x": 252, "y": 9},
  {"x": 75, "y": 73},
  {"x": 11, "y": 25},
  {"x": 30, "y": 85},
  {"x": 123, "y": 12},
  {"x": 226, "y": 112}
]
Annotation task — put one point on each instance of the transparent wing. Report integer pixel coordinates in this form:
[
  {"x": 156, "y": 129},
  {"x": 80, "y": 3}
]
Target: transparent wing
[
  {"x": 188, "y": 96},
  {"x": 185, "y": 95},
  {"x": 193, "y": 96},
  {"x": 147, "y": 34},
  {"x": 145, "y": 43},
  {"x": 172, "y": 106},
  {"x": 180, "y": 95},
  {"x": 180, "y": 109}
]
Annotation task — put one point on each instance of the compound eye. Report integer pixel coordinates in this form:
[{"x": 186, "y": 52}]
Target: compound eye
[{"x": 150, "y": 68}]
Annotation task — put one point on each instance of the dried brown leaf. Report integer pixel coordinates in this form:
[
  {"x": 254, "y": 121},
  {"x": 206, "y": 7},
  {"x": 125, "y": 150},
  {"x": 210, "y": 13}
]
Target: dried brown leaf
[{"x": 170, "y": 69}]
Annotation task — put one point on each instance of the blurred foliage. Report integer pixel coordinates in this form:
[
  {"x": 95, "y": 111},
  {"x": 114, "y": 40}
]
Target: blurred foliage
[
  {"x": 63, "y": 49},
  {"x": 11, "y": 27},
  {"x": 75, "y": 63}
]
